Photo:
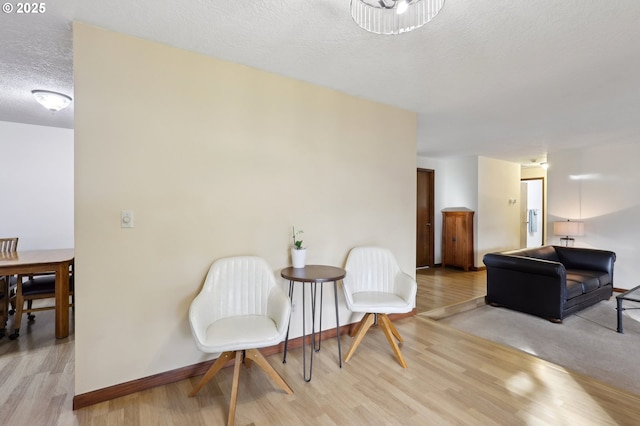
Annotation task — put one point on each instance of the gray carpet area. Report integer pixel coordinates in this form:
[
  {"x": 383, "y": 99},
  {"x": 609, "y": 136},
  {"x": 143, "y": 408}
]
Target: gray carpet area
[{"x": 586, "y": 342}]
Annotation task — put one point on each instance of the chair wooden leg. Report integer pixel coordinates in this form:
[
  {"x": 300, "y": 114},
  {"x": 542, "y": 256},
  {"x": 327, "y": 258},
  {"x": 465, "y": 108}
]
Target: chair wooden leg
[
  {"x": 364, "y": 325},
  {"x": 394, "y": 330},
  {"x": 215, "y": 367},
  {"x": 234, "y": 389},
  {"x": 19, "y": 306},
  {"x": 262, "y": 362},
  {"x": 388, "y": 328},
  {"x": 355, "y": 329}
]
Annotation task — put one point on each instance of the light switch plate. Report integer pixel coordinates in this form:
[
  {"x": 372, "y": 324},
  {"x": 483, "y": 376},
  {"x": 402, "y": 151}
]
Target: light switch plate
[{"x": 126, "y": 219}]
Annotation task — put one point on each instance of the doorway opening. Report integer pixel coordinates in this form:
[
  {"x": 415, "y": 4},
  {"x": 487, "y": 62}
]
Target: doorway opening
[{"x": 532, "y": 212}]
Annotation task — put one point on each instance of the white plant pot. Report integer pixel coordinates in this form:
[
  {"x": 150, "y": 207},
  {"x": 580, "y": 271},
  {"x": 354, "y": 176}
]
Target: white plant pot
[{"x": 298, "y": 257}]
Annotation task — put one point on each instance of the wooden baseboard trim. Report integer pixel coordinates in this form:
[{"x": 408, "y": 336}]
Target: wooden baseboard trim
[{"x": 167, "y": 377}]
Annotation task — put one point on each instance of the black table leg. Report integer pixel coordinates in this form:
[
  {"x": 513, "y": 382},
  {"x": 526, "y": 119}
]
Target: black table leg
[
  {"x": 286, "y": 339},
  {"x": 619, "y": 308},
  {"x": 335, "y": 294},
  {"x": 316, "y": 345},
  {"x": 307, "y": 378},
  {"x": 316, "y": 341}
]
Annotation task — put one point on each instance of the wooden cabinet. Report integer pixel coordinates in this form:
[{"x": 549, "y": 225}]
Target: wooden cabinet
[{"x": 457, "y": 238}]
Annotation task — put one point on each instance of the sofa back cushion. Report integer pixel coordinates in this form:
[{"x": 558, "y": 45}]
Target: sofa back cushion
[
  {"x": 544, "y": 253},
  {"x": 585, "y": 258}
]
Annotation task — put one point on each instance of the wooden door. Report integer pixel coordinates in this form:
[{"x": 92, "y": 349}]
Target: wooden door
[{"x": 424, "y": 219}]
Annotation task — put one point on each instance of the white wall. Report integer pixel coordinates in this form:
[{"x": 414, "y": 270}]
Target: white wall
[
  {"x": 455, "y": 185},
  {"x": 36, "y": 171},
  {"x": 485, "y": 186},
  {"x": 600, "y": 186}
]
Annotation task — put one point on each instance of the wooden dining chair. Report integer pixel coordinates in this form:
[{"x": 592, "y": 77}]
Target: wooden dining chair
[
  {"x": 8, "y": 245},
  {"x": 4, "y": 305},
  {"x": 8, "y": 248},
  {"x": 35, "y": 288}
]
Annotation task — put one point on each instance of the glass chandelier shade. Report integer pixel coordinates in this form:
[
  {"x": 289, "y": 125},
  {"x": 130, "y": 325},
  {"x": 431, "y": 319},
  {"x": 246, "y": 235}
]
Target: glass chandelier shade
[
  {"x": 52, "y": 101},
  {"x": 394, "y": 16}
]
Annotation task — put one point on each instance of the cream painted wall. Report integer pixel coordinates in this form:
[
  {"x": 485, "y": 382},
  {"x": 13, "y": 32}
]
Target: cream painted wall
[
  {"x": 37, "y": 189},
  {"x": 599, "y": 185},
  {"x": 215, "y": 159},
  {"x": 499, "y": 220}
]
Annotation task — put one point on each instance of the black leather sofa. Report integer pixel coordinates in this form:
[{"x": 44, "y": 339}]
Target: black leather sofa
[{"x": 550, "y": 281}]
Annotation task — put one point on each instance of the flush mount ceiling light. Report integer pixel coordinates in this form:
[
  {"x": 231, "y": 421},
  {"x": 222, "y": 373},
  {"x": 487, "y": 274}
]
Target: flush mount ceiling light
[
  {"x": 536, "y": 163},
  {"x": 53, "y": 101},
  {"x": 394, "y": 16}
]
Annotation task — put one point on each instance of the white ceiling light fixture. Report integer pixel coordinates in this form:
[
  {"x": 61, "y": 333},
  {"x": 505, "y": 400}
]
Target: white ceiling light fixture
[
  {"x": 53, "y": 101},
  {"x": 394, "y": 16}
]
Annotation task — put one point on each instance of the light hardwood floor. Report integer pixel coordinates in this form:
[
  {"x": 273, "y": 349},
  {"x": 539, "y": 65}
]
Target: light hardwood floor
[
  {"x": 444, "y": 291},
  {"x": 453, "y": 378}
]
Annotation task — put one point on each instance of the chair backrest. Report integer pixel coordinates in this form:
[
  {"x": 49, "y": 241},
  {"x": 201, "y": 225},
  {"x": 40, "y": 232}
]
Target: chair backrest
[
  {"x": 371, "y": 269},
  {"x": 8, "y": 245},
  {"x": 238, "y": 286}
]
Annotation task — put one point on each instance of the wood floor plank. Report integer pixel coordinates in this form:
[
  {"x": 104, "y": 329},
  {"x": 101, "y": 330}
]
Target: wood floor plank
[{"x": 452, "y": 378}]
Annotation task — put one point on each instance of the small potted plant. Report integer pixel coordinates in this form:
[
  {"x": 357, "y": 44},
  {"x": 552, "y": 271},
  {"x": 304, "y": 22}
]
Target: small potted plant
[{"x": 298, "y": 252}]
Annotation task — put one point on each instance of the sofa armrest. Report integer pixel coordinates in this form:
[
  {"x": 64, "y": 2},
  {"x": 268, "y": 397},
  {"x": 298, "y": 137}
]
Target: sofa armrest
[
  {"x": 586, "y": 258},
  {"x": 534, "y": 286}
]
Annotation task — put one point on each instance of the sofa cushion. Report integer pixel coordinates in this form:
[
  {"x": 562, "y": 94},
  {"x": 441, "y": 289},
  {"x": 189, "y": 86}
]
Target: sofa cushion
[
  {"x": 574, "y": 288},
  {"x": 582, "y": 281}
]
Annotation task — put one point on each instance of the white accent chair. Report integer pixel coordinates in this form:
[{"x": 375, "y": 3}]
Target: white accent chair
[
  {"x": 376, "y": 286},
  {"x": 239, "y": 309}
]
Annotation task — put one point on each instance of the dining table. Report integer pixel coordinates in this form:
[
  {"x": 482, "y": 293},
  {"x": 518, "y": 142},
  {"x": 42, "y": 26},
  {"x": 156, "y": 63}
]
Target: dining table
[{"x": 58, "y": 261}]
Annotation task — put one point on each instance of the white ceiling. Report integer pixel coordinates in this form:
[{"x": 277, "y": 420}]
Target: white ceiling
[{"x": 509, "y": 79}]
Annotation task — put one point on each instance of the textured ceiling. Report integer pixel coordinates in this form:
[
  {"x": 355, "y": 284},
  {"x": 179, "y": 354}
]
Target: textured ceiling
[
  {"x": 35, "y": 53},
  {"x": 509, "y": 79}
]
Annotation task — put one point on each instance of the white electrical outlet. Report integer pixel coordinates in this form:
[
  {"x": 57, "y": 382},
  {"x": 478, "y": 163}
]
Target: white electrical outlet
[
  {"x": 293, "y": 307},
  {"x": 126, "y": 219}
]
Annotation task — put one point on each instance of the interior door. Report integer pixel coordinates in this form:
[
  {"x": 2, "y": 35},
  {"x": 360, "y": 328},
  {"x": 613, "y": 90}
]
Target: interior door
[{"x": 424, "y": 219}]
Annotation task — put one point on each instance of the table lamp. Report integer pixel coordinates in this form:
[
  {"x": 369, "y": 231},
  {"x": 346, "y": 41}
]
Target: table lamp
[{"x": 568, "y": 229}]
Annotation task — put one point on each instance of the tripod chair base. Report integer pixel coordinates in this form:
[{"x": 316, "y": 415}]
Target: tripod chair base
[
  {"x": 388, "y": 328},
  {"x": 241, "y": 357}
]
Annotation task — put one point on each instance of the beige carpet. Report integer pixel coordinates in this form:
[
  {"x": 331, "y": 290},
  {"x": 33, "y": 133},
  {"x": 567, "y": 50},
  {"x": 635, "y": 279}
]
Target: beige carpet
[{"x": 586, "y": 342}]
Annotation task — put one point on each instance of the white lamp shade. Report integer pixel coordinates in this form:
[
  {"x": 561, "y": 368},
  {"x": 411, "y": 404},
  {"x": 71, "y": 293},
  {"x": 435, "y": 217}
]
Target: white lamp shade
[{"x": 568, "y": 228}]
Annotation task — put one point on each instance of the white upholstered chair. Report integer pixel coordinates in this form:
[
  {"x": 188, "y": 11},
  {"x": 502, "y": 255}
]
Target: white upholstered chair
[
  {"x": 239, "y": 309},
  {"x": 376, "y": 286}
]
